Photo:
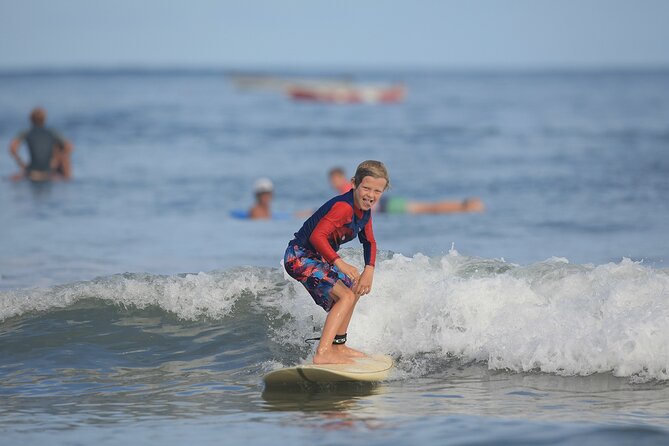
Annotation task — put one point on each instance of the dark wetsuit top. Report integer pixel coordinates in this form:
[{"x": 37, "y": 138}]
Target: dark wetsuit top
[
  {"x": 41, "y": 142},
  {"x": 336, "y": 222}
]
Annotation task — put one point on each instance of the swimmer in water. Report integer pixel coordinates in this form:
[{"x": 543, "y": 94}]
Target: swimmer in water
[
  {"x": 263, "y": 189},
  {"x": 400, "y": 205}
]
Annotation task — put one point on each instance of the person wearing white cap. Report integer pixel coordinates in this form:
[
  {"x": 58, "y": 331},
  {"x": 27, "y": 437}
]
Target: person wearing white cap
[{"x": 263, "y": 189}]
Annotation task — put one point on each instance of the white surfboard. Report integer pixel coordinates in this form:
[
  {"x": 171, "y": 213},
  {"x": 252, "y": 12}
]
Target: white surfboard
[{"x": 370, "y": 369}]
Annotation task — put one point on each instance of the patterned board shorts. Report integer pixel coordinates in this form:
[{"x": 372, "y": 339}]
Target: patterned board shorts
[{"x": 317, "y": 275}]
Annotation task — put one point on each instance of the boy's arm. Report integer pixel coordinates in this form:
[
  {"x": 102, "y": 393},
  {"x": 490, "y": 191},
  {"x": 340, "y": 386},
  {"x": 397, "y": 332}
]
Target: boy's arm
[
  {"x": 319, "y": 237},
  {"x": 366, "y": 236},
  {"x": 364, "y": 284},
  {"x": 336, "y": 217}
]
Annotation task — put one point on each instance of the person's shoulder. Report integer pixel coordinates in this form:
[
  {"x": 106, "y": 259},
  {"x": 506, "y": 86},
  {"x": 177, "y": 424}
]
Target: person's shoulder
[
  {"x": 342, "y": 206},
  {"x": 257, "y": 212},
  {"x": 339, "y": 209},
  {"x": 336, "y": 207},
  {"x": 339, "y": 202},
  {"x": 22, "y": 134},
  {"x": 54, "y": 133}
]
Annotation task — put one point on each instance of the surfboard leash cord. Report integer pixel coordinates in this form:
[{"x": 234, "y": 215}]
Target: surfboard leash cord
[{"x": 338, "y": 339}]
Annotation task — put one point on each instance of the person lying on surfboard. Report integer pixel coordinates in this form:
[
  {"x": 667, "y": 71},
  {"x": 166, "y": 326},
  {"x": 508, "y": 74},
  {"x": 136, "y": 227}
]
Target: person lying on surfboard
[
  {"x": 400, "y": 205},
  {"x": 312, "y": 259},
  {"x": 263, "y": 190}
]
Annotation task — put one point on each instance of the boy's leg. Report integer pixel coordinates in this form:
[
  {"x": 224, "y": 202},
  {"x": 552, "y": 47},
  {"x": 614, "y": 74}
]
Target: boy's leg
[
  {"x": 343, "y": 328},
  {"x": 339, "y": 314}
]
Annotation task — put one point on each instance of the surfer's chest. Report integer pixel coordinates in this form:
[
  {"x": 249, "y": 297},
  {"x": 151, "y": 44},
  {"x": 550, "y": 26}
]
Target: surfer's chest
[{"x": 349, "y": 231}]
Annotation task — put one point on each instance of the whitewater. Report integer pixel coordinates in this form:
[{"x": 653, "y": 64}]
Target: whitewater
[{"x": 551, "y": 317}]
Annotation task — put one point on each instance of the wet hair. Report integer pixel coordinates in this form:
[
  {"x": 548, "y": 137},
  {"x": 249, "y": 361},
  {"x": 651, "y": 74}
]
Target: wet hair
[
  {"x": 371, "y": 168},
  {"x": 38, "y": 116}
]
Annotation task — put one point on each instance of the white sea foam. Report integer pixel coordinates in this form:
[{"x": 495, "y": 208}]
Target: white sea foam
[
  {"x": 552, "y": 316},
  {"x": 189, "y": 296}
]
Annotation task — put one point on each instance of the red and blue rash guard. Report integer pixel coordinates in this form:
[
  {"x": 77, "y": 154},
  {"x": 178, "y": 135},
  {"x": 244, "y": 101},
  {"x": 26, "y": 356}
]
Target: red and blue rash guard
[{"x": 336, "y": 222}]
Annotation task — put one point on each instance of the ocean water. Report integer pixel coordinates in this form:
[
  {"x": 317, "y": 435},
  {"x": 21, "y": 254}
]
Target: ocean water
[{"x": 134, "y": 309}]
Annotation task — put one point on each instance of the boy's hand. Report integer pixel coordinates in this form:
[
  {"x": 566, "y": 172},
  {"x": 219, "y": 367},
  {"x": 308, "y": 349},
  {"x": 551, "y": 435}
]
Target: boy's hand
[
  {"x": 364, "y": 285},
  {"x": 350, "y": 270}
]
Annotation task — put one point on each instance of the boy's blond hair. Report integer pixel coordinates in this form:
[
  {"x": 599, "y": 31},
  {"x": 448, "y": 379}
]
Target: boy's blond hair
[{"x": 371, "y": 168}]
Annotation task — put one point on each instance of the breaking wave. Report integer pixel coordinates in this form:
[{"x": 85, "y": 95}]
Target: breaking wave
[{"x": 551, "y": 316}]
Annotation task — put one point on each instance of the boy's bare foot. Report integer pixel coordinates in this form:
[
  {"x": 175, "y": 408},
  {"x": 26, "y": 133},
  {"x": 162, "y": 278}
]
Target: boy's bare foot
[
  {"x": 348, "y": 351},
  {"x": 331, "y": 357}
]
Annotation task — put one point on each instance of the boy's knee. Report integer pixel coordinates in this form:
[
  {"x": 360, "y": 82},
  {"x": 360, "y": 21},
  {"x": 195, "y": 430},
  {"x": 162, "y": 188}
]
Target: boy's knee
[
  {"x": 346, "y": 296},
  {"x": 348, "y": 301}
]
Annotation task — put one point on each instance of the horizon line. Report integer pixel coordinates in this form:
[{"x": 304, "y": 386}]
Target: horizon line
[{"x": 375, "y": 69}]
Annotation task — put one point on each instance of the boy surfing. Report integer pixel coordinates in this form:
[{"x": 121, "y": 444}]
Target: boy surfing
[{"x": 312, "y": 259}]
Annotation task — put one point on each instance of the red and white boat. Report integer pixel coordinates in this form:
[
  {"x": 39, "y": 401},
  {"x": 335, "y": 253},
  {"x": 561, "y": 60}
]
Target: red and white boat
[{"x": 345, "y": 93}]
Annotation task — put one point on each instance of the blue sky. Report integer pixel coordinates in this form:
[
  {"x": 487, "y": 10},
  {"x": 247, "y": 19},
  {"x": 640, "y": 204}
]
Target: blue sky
[{"x": 334, "y": 33}]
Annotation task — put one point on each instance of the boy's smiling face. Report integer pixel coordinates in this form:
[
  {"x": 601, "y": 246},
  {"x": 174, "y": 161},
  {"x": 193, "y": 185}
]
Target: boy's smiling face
[{"x": 368, "y": 192}]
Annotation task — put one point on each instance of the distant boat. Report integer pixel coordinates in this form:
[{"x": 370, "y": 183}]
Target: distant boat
[
  {"x": 250, "y": 81},
  {"x": 345, "y": 93},
  {"x": 332, "y": 90}
]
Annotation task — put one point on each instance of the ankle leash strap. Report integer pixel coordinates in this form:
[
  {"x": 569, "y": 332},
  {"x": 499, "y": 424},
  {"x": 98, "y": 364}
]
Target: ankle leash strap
[{"x": 338, "y": 339}]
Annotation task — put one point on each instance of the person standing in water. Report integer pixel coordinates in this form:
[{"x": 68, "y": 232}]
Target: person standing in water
[
  {"x": 50, "y": 153},
  {"x": 399, "y": 205},
  {"x": 311, "y": 258}
]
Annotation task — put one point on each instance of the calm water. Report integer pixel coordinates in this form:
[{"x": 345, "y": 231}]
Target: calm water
[{"x": 133, "y": 308}]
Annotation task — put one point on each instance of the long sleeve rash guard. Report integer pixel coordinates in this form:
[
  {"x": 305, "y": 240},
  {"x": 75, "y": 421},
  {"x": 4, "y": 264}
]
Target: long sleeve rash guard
[{"x": 336, "y": 222}]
